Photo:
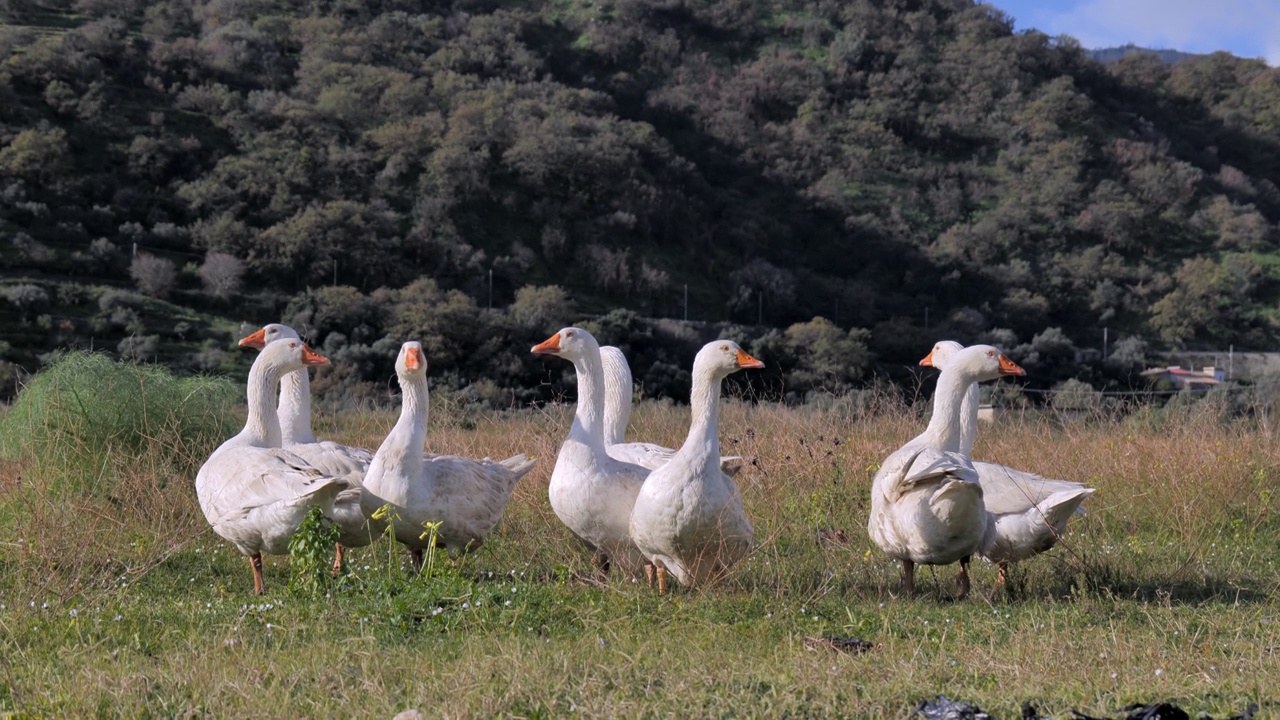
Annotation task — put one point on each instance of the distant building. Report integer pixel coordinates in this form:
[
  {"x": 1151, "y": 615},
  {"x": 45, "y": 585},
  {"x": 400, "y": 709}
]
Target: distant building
[
  {"x": 1239, "y": 365},
  {"x": 1184, "y": 378}
]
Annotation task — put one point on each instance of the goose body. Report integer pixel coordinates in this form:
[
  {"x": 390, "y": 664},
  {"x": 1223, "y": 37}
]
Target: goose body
[
  {"x": 591, "y": 492},
  {"x": 1031, "y": 511},
  {"x": 467, "y": 497},
  {"x": 253, "y": 492},
  {"x": 688, "y": 518},
  {"x": 617, "y": 413},
  {"x": 926, "y": 503},
  {"x": 331, "y": 458}
]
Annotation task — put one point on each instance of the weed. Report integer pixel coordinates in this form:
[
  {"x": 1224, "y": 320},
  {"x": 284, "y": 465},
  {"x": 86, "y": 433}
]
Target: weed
[{"x": 311, "y": 551}]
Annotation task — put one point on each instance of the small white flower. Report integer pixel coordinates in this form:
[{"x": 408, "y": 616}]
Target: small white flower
[
  {"x": 118, "y": 618},
  {"x": 73, "y": 612},
  {"x": 507, "y": 602},
  {"x": 466, "y": 606},
  {"x": 1159, "y": 672}
]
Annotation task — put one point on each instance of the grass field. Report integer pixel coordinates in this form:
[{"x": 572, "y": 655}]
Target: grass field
[{"x": 116, "y": 599}]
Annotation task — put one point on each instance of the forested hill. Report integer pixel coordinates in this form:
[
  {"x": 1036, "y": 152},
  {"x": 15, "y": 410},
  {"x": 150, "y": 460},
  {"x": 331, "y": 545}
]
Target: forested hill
[
  {"x": 905, "y": 169},
  {"x": 1112, "y": 54}
]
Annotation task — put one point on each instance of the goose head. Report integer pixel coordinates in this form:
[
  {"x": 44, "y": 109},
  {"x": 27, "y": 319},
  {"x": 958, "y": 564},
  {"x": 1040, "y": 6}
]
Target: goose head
[
  {"x": 722, "y": 358},
  {"x": 979, "y": 362},
  {"x": 571, "y": 343},
  {"x": 267, "y": 335},
  {"x": 411, "y": 363},
  {"x": 941, "y": 353},
  {"x": 289, "y": 354}
]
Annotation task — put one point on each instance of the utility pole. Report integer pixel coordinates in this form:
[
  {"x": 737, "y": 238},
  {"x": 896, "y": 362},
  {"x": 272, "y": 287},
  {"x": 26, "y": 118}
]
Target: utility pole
[
  {"x": 1231, "y": 358},
  {"x": 490, "y": 288},
  {"x": 335, "y": 272},
  {"x": 686, "y": 302},
  {"x": 1104, "y": 343}
]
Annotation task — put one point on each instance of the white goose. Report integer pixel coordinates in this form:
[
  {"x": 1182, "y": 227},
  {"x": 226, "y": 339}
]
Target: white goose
[
  {"x": 251, "y": 491},
  {"x": 926, "y": 503},
  {"x": 688, "y": 518},
  {"x": 1031, "y": 511},
  {"x": 617, "y": 413},
  {"x": 591, "y": 492},
  {"x": 467, "y": 497},
  {"x": 331, "y": 458}
]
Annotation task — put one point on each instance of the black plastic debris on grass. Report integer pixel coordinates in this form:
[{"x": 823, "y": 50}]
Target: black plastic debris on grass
[
  {"x": 944, "y": 708},
  {"x": 840, "y": 644},
  {"x": 1164, "y": 711}
]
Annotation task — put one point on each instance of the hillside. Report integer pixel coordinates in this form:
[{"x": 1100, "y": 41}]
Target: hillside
[
  {"x": 1112, "y": 54},
  {"x": 376, "y": 171}
]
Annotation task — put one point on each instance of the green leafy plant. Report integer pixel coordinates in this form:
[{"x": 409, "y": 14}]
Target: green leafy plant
[{"x": 311, "y": 553}]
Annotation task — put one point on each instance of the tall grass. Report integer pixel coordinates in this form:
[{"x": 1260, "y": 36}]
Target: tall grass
[
  {"x": 85, "y": 410},
  {"x": 98, "y": 458}
]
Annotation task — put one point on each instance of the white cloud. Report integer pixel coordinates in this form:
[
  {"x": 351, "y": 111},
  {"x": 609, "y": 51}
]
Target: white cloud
[{"x": 1249, "y": 28}]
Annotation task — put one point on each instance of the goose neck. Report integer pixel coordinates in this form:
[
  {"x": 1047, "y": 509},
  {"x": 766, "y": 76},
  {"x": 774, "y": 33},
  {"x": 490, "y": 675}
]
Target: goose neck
[
  {"x": 588, "y": 416},
  {"x": 617, "y": 407},
  {"x": 704, "y": 407},
  {"x": 294, "y": 410},
  {"x": 969, "y": 419},
  {"x": 399, "y": 457},
  {"x": 262, "y": 427},
  {"x": 943, "y": 431}
]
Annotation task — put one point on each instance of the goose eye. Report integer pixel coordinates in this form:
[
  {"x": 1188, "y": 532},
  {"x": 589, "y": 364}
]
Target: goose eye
[
  {"x": 568, "y": 333},
  {"x": 293, "y": 345}
]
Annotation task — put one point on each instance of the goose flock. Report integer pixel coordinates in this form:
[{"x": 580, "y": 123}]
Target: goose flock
[{"x": 637, "y": 506}]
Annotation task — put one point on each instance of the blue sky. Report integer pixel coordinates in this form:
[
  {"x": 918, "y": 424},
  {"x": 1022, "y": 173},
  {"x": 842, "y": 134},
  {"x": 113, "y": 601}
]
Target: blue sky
[{"x": 1248, "y": 28}]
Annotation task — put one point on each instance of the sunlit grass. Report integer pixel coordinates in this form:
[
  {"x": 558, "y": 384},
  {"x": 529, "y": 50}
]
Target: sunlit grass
[{"x": 1166, "y": 590}]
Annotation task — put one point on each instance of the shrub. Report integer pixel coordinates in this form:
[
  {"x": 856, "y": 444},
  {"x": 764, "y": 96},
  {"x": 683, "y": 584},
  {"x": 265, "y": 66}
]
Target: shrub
[
  {"x": 221, "y": 274},
  {"x": 155, "y": 276},
  {"x": 86, "y": 415}
]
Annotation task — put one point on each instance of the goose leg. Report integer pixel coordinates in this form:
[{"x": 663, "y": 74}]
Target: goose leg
[
  {"x": 415, "y": 556},
  {"x": 908, "y": 578},
  {"x": 662, "y": 579},
  {"x": 255, "y": 562},
  {"x": 964, "y": 578},
  {"x": 337, "y": 558},
  {"x": 648, "y": 573},
  {"x": 1003, "y": 575}
]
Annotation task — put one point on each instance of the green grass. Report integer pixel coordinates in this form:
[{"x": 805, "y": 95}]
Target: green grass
[
  {"x": 85, "y": 409},
  {"x": 1166, "y": 591}
]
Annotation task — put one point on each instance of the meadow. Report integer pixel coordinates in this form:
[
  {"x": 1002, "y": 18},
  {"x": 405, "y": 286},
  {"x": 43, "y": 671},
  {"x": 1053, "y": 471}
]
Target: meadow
[{"x": 116, "y": 598}]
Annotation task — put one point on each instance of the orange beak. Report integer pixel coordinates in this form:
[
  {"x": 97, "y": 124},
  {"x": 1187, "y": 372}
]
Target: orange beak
[
  {"x": 928, "y": 360},
  {"x": 311, "y": 357},
  {"x": 1009, "y": 367},
  {"x": 413, "y": 358},
  {"x": 550, "y": 346},
  {"x": 746, "y": 361},
  {"x": 257, "y": 341}
]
